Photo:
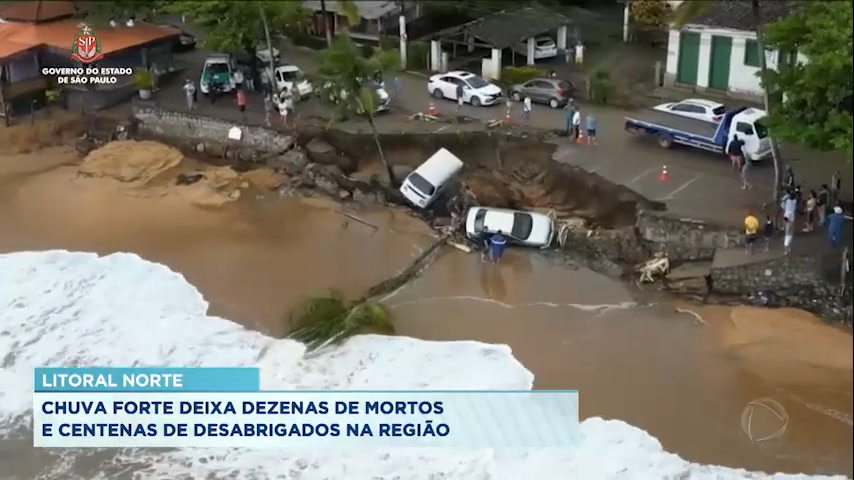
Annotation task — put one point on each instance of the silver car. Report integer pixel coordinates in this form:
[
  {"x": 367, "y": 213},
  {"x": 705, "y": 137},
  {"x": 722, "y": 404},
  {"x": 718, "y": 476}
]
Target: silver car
[{"x": 553, "y": 92}]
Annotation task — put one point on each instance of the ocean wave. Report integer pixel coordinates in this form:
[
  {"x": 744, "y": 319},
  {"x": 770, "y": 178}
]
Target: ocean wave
[{"x": 62, "y": 308}]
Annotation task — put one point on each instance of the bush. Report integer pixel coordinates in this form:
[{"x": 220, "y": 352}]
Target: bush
[
  {"x": 513, "y": 75},
  {"x": 142, "y": 79},
  {"x": 601, "y": 88},
  {"x": 416, "y": 55},
  {"x": 305, "y": 39},
  {"x": 388, "y": 42}
]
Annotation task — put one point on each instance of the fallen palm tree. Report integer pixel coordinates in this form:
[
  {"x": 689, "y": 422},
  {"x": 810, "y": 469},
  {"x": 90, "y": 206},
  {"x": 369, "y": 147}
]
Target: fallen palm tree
[{"x": 324, "y": 320}]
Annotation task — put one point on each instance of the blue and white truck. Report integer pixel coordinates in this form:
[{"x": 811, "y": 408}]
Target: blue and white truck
[{"x": 670, "y": 129}]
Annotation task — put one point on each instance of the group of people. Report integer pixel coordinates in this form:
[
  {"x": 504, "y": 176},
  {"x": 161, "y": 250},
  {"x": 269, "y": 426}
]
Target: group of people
[
  {"x": 740, "y": 162},
  {"x": 573, "y": 124},
  {"x": 821, "y": 209}
]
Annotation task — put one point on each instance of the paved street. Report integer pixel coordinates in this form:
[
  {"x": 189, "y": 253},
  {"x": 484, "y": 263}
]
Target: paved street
[{"x": 700, "y": 184}]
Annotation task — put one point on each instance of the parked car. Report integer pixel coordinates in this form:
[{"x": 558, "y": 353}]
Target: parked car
[
  {"x": 544, "y": 47},
  {"x": 329, "y": 93},
  {"x": 185, "y": 42},
  {"x": 476, "y": 90},
  {"x": 695, "y": 108},
  {"x": 291, "y": 78},
  {"x": 530, "y": 229},
  {"x": 553, "y": 92},
  {"x": 220, "y": 70}
]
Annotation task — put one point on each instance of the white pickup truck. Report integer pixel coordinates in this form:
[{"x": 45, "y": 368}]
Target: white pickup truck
[{"x": 290, "y": 78}]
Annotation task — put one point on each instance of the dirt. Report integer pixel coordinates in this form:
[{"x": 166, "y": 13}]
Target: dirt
[
  {"x": 51, "y": 129},
  {"x": 508, "y": 171},
  {"x": 152, "y": 169}
]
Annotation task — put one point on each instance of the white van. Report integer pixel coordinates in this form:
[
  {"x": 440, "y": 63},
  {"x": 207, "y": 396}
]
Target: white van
[{"x": 423, "y": 185}]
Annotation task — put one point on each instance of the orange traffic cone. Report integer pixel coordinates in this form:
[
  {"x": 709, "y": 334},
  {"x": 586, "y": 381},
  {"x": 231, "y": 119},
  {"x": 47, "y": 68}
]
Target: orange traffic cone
[
  {"x": 431, "y": 110},
  {"x": 507, "y": 118},
  {"x": 580, "y": 139},
  {"x": 663, "y": 176}
]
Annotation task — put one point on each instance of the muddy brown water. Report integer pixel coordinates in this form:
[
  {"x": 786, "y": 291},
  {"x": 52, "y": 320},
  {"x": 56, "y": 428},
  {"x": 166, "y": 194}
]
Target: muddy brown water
[{"x": 684, "y": 376}]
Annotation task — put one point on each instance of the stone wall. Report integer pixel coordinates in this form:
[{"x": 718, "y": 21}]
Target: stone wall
[
  {"x": 774, "y": 274},
  {"x": 79, "y": 100},
  {"x": 684, "y": 239},
  {"x": 199, "y": 128}
]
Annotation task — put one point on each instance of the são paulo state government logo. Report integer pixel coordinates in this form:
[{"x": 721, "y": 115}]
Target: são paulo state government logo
[{"x": 86, "y": 47}]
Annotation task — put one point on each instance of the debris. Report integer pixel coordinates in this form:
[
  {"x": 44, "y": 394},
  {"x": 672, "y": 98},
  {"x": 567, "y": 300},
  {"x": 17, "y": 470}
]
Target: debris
[
  {"x": 359, "y": 220},
  {"x": 656, "y": 267}
]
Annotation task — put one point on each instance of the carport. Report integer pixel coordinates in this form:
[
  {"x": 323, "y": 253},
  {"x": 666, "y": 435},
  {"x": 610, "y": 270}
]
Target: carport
[{"x": 499, "y": 31}]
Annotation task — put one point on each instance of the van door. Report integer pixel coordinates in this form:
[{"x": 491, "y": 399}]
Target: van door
[
  {"x": 279, "y": 81},
  {"x": 746, "y": 132}
]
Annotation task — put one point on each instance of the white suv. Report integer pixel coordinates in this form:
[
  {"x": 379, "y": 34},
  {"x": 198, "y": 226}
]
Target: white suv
[{"x": 476, "y": 90}]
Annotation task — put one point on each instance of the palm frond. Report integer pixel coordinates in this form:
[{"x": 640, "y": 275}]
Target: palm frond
[{"x": 687, "y": 11}]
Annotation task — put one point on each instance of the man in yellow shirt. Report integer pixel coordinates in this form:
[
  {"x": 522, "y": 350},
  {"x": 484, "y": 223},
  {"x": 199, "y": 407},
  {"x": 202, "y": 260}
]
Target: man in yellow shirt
[{"x": 751, "y": 230}]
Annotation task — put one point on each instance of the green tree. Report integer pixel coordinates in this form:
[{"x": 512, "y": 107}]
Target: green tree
[
  {"x": 651, "y": 13},
  {"x": 689, "y": 10},
  {"x": 817, "y": 110},
  {"x": 230, "y": 25},
  {"x": 350, "y": 74}
]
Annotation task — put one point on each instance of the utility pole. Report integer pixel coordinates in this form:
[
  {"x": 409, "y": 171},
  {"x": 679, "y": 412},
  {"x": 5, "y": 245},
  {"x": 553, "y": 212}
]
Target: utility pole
[
  {"x": 271, "y": 60},
  {"x": 403, "y": 39}
]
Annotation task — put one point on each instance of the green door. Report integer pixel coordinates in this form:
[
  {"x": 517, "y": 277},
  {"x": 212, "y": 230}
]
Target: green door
[
  {"x": 689, "y": 58},
  {"x": 719, "y": 65}
]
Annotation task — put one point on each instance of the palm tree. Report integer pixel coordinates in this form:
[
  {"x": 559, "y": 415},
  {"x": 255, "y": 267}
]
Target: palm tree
[
  {"x": 688, "y": 10},
  {"x": 350, "y": 75}
]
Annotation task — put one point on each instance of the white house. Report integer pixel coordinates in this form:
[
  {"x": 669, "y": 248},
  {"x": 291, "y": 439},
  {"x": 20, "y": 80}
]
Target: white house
[{"x": 717, "y": 50}]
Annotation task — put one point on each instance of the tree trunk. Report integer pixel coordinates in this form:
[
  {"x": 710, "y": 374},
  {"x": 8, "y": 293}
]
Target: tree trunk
[
  {"x": 415, "y": 267},
  {"x": 391, "y": 180},
  {"x": 326, "y": 29},
  {"x": 763, "y": 69},
  {"x": 272, "y": 61}
]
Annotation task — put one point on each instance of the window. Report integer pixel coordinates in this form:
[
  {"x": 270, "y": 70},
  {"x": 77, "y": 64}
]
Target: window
[
  {"x": 540, "y": 84},
  {"x": 719, "y": 110},
  {"x": 761, "y": 130},
  {"x": 476, "y": 82},
  {"x": 478, "y": 220},
  {"x": 421, "y": 184},
  {"x": 744, "y": 128},
  {"x": 523, "y": 223},
  {"x": 751, "y": 53}
]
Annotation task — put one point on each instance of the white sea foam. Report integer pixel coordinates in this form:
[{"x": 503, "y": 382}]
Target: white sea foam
[{"x": 59, "y": 308}]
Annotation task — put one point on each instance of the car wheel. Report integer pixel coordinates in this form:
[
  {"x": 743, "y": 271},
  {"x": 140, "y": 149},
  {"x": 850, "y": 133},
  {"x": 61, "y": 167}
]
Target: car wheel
[
  {"x": 437, "y": 93},
  {"x": 554, "y": 103},
  {"x": 665, "y": 141},
  {"x": 517, "y": 97},
  {"x": 475, "y": 102}
]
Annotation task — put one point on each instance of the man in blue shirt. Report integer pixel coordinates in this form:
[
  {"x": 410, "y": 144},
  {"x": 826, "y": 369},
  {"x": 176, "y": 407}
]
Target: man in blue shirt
[
  {"x": 590, "y": 125},
  {"x": 570, "y": 112},
  {"x": 835, "y": 222},
  {"x": 497, "y": 244}
]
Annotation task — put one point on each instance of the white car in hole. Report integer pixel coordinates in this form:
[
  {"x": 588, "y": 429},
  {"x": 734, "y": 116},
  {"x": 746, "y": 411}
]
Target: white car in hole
[
  {"x": 544, "y": 47},
  {"x": 476, "y": 91},
  {"x": 529, "y": 229},
  {"x": 695, "y": 108}
]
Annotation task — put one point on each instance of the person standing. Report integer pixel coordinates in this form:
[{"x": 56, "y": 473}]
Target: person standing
[
  {"x": 396, "y": 85},
  {"x": 835, "y": 187},
  {"x": 751, "y": 231},
  {"x": 190, "y": 93},
  {"x": 835, "y": 222},
  {"x": 735, "y": 152},
  {"x": 590, "y": 126},
  {"x": 268, "y": 111},
  {"x": 497, "y": 244},
  {"x": 745, "y": 174},
  {"x": 789, "y": 177},
  {"x": 576, "y": 125},
  {"x": 241, "y": 103},
  {"x": 811, "y": 213},
  {"x": 460, "y": 92},
  {"x": 570, "y": 114},
  {"x": 526, "y": 110},
  {"x": 788, "y": 235},
  {"x": 789, "y": 205},
  {"x": 768, "y": 231},
  {"x": 823, "y": 204}
]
